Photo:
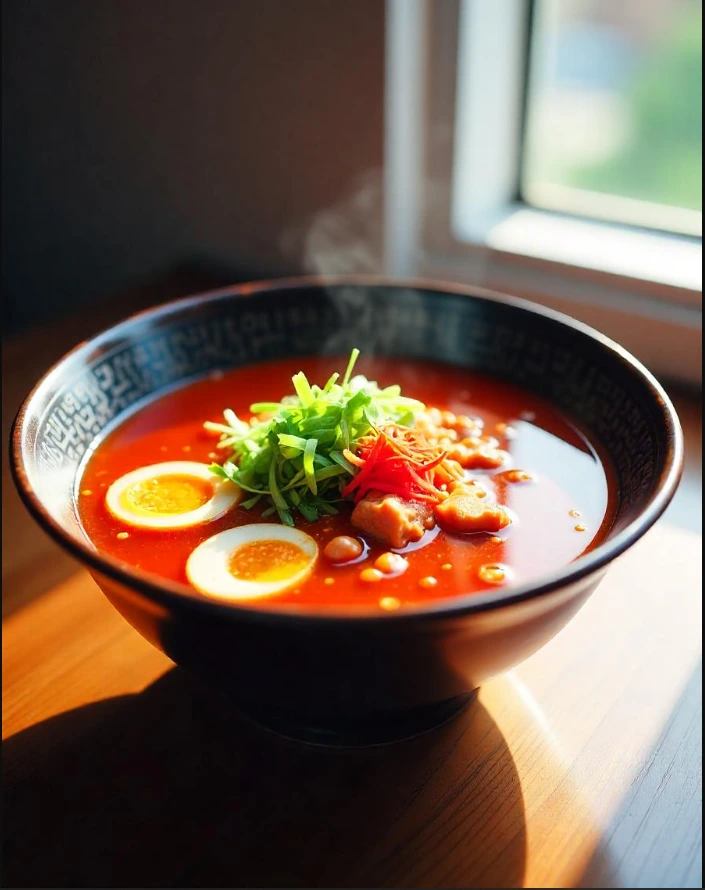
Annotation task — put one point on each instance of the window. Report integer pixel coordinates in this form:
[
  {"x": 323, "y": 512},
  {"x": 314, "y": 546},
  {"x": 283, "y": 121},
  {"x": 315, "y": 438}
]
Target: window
[
  {"x": 614, "y": 111},
  {"x": 552, "y": 149}
]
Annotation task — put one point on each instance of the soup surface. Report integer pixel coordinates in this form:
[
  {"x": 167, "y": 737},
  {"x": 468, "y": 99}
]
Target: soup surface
[{"x": 549, "y": 501}]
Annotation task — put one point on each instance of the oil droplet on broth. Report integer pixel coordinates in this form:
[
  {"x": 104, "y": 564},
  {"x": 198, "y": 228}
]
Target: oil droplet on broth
[
  {"x": 519, "y": 476},
  {"x": 494, "y": 573},
  {"x": 390, "y": 603},
  {"x": 371, "y": 576},
  {"x": 391, "y": 564}
]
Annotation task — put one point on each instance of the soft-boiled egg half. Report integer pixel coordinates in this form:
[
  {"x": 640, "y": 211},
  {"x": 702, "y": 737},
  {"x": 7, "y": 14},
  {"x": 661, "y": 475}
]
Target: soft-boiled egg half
[
  {"x": 252, "y": 561},
  {"x": 172, "y": 495}
]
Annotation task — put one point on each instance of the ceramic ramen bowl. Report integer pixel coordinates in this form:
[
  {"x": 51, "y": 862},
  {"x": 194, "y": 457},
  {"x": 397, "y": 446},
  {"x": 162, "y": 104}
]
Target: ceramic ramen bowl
[{"x": 353, "y": 679}]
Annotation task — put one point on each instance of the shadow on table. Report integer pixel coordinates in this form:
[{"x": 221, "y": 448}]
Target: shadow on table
[
  {"x": 167, "y": 788},
  {"x": 655, "y": 838}
]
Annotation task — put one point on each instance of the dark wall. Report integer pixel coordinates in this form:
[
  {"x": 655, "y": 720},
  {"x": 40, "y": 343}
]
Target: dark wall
[{"x": 141, "y": 133}]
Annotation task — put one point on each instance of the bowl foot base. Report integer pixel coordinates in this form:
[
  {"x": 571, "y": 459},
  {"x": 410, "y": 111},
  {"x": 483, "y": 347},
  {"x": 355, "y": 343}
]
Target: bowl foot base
[{"x": 377, "y": 729}]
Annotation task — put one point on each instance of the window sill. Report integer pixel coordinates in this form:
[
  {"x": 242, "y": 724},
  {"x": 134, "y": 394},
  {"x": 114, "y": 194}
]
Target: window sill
[
  {"x": 671, "y": 260},
  {"x": 642, "y": 289}
]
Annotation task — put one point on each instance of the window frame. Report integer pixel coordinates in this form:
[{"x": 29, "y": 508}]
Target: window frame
[
  {"x": 618, "y": 278},
  {"x": 582, "y": 203}
]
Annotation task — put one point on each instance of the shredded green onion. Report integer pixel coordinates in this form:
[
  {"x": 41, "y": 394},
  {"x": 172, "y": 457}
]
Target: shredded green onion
[
  {"x": 291, "y": 459},
  {"x": 354, "y": 355}
]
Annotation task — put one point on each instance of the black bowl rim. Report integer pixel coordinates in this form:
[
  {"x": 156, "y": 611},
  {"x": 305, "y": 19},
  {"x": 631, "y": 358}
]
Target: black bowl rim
[{"x": 168, "y": 593}]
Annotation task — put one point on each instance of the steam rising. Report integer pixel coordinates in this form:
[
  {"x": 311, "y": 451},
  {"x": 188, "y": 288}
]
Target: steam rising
[
  {"x": 348, "y": 239},
  {"x": 344, "y": 239}
]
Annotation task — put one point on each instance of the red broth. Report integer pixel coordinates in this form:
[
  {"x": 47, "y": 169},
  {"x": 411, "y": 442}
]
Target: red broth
[{"x": 564, "y": 513}]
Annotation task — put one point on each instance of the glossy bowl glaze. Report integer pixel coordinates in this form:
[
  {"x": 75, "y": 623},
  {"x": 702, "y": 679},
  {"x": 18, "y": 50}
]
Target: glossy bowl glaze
[{"x": 323, "y": 677}]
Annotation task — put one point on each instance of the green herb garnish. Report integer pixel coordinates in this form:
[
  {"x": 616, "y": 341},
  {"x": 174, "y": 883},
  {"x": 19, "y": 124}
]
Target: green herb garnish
[{"x": 293, "y": 461}]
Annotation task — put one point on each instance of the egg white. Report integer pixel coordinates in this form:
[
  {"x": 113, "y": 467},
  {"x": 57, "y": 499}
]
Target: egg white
[
  {"x": 208, "y": 569},
  {"x": 225, "y": 496}
]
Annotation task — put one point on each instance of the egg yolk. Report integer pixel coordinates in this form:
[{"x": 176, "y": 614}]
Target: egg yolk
[
  {"x": 166, "y": 495},
  {"x": 266, "y": 561}
]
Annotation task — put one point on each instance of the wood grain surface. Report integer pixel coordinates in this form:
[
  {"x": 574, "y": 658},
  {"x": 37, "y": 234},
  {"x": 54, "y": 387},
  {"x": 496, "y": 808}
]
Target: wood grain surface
[{"x": 580, "y": 768}]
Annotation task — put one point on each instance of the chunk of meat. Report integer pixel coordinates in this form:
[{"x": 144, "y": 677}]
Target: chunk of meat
[
  {"x": 466, "y": 510},
  {"x": 462, "y": 437},
  {"x": 477, "y": 454},
  {"x": 393, "y": 520}
]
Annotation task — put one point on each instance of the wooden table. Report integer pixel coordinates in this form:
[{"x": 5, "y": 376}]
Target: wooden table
[{"x": 580, "y": 768}]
